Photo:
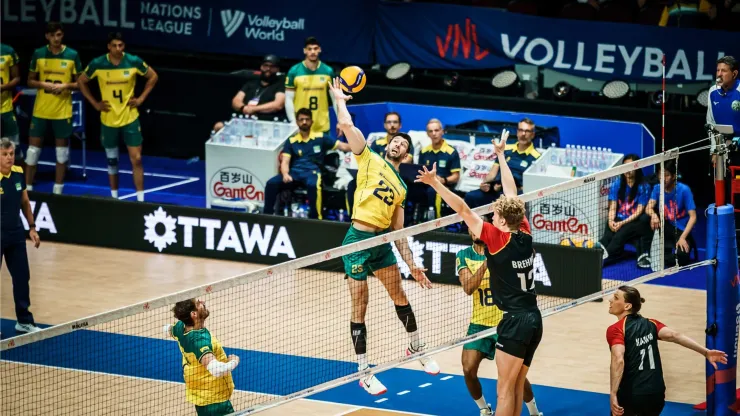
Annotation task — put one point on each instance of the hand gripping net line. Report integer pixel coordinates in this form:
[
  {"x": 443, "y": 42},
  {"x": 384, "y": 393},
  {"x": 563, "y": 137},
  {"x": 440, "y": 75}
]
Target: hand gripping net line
[{"x": 289, "y": 323}]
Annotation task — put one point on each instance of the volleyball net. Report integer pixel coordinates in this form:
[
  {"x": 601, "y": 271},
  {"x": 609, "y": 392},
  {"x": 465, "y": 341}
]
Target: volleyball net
[{"x": 290, "y": 323}]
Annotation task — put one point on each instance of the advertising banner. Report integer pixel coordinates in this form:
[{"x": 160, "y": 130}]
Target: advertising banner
[
  {"x": 559, "y": 271},
  {"x": 440, "y": 36},
  {"x": 215, "y": 26}
]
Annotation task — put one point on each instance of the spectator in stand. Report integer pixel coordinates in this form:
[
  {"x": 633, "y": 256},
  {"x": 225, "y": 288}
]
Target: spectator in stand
[
  {"x": 687, "y": 13},
  {"x": 448, "y": 167},
  {"x": 263, "y": 98},
  {"x": 679, "y": 216},
  {"x": 519, "y": 156},
  {"x": 628, "y": 196},
  {"x": 392, "y": 125},
  {"x": 300, "y": 164}
]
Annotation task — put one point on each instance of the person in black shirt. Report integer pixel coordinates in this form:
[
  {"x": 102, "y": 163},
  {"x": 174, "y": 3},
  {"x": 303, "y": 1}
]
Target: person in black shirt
[
  {"x": 510, "y": 259},
  {"x": 263, "y": 97},
  {"x": 637, "y": 386},
  {"x": 13, "y": 199}
]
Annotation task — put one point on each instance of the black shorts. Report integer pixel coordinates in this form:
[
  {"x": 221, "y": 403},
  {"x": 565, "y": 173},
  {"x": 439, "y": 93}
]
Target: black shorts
[
  {"x": 519, "y": 334},
  {"x": 642, "y": 404}
]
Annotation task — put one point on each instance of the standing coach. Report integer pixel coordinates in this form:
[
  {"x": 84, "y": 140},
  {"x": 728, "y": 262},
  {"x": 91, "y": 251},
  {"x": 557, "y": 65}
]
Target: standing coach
[{"x": 14, "y": 198}]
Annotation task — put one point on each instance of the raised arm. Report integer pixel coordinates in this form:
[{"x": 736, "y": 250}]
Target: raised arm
[
  {"x": 471, "y": 281},
  {"x": 354, "y": 136},
  {"x": 713, "y": 356},
  {"x": 472, "y": 220},
  {"x": 507, "y": 179}
]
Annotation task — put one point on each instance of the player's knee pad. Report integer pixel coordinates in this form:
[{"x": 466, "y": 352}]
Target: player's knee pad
[
  {"x": 112, "y": 156},
  {"x": 32, "y": 156},
  {"x": 62, "y": 155}
]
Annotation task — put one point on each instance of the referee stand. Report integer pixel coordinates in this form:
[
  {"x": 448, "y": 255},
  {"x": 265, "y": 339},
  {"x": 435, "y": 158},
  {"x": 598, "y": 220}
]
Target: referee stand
[{"x": 723, "y": 293}]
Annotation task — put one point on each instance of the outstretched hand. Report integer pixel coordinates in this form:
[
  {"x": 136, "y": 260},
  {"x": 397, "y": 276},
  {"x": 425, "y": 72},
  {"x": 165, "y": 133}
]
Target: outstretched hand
[
  {"x": 501, "y": 145},
  {"x": 421, "y": 277},
  {"x": 427, "y": 176},
  {"x": 336, "y": 90},
  {"x": 715, "y": 356}
]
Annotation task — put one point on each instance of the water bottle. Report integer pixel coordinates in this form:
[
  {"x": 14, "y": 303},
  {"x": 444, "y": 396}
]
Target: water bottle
[
  {"x": 276, "y": 129},
  {"x": 553, "y": 155},
  {"x": 249, "y": 127},
  {"x": 340, "y": 216},
  {"x": 264, "y": 129},
  {"x": 285, "y": 211},
  {"x": 294, "y": 209},
  {"x": 431, "y": 215}
]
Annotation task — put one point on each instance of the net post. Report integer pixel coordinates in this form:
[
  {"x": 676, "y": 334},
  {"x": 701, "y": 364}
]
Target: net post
[
  {"x": 723, "y": 297},
  {"x": 719, "y": 169}
]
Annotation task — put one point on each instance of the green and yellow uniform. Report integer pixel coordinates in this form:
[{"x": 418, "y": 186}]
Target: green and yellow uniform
[
  {"x": 8, "y": 124},
  {"x": 51, "y": 109},
  {"x": 380, "y": 191},
  {"x": 209, "y": 394},
  {"x": 117, "y": 83},
  {"x": 312, "y": 92},
  {"x": 485, "y": 313}
]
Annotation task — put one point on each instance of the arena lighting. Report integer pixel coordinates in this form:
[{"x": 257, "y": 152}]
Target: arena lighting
[
  {"x": 561, "y": 90},
  {"x": 504, "y": 79},
  {"x": 615, "y": 89},
  {"x": 450, "y": 81},
  {"x": 703, "y": 97},
  {"x": 656, "y": 98},
  {"x": 398, "y": 71}
]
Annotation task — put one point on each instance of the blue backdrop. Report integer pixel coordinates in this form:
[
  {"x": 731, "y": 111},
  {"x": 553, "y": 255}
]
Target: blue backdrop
[
  {"x": 457, "y": 37},
  {"x": 620, "y": 136},
  {"x": 210, "y": 26}
]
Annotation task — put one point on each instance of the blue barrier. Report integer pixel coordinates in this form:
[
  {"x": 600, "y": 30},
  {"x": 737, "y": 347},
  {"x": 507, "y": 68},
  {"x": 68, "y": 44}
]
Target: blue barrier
[
  {"x": 723, "y": 309},
  {"x": 620, "y": 136}
]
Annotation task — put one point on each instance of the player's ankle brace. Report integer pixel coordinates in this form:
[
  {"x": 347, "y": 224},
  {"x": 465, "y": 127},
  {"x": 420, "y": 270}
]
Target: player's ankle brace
[
  {"x": 406, "y": 315},
  {"x": 359, "y": 337}
]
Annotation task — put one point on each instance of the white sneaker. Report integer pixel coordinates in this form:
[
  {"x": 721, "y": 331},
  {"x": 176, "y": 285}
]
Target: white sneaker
[
  {"x": 487, "y": 411},
  {"x": 26, "y": 328},
  {"x": 372, "y": 385},
  {"x": 430, "y": 366}
]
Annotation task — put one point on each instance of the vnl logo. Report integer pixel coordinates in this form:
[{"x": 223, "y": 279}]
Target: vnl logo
[{"x": 232, "y": 20}]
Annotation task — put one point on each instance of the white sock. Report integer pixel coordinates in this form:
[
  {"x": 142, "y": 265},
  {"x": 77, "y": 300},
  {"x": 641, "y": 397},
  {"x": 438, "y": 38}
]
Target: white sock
[
  {"x": 532, "y": 406},
  {"x": 140, "y": 196},
  {"x": 414, "y": 338},
  {"x": 29, "y": 187},
  {"x": 113, "y": 193},
  {"x": 481, "y": 403},
  {"x": 362, "y": 362},
  {"x": 58, "y": 187}
]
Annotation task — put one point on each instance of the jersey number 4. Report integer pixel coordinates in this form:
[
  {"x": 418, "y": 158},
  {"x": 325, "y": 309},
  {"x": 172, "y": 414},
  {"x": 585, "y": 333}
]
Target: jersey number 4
[
  {"x": 118, "y": 94},
  {"x": 527, "y": 280},
  {"x": 384, "y": 193}
]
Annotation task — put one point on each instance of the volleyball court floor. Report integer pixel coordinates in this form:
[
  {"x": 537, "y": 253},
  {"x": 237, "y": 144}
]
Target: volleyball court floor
[{"x": 570, "y": 373}]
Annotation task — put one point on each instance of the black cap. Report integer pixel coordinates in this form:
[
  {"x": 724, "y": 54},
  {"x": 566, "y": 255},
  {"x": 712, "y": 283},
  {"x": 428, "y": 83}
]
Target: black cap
[{"x": 272, "y": 59}]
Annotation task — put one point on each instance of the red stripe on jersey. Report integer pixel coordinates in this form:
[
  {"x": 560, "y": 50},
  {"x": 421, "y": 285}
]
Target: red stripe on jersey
[
  {"x": 496, "y": 239},
  {"x": 615, "y": 333},
  {"x": 658, "y": 325}
]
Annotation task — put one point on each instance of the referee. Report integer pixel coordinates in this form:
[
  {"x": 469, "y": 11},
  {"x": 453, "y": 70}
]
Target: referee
[
  {"x": 13, "y": 198},
  {"x": 636, "y": 376},
  {"x": 723, "y": 106}
]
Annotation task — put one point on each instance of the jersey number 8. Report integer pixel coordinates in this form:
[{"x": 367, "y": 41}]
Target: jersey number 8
[
  {"x": 525, "y": 279},
  {"x": 384, "y": 189},
  {"x": 313, "y": 103}
]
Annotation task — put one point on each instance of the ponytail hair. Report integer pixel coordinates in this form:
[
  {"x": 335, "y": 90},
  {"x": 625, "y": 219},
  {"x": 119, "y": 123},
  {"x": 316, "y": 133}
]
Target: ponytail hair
[{"x": 632, "y": 296}]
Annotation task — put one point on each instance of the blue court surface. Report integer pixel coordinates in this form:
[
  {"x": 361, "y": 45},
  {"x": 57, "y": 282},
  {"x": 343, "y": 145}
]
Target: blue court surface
[
  {"x": 408, "y": 390},
  {"x": 183, "y": 183}
]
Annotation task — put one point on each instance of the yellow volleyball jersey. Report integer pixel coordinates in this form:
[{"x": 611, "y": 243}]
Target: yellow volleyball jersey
[
  {"x": 57, "y": 69},
  {"x": 380, "y": 190},
  {"x": 312, "y": 92},
  {"x": 485, "y": 312},
  {"x": 8, "y": 59},
  {"x": 201, "y": 388},
  {"x": 117, "y": 83}
]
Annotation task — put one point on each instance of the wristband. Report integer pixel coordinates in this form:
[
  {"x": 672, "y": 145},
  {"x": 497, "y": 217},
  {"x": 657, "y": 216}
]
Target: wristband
[{"x": 32, "y": 226}]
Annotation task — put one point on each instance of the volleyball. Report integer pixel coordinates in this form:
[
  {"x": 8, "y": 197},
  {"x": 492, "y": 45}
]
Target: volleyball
[
  {"x": 352, "y": 79},
  {"x": 577, "y": 242}
]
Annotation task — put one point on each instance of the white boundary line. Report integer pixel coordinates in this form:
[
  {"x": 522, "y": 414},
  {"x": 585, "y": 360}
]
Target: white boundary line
[
  {"x": 460, "y": 341},
  {"x": 159, "y": 188},
  {"x": 157, "y": 175},
  {"x": 156, "y": 380},
  {"x": 310, "y": 260}
]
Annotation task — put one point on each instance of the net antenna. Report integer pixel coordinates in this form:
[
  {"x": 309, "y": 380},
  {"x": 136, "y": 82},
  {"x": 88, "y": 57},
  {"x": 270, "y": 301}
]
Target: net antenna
[{"x": 289, "y": 322}]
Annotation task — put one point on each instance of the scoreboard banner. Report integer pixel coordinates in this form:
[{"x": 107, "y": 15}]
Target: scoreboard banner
[{"x": 214, "y": 26}]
